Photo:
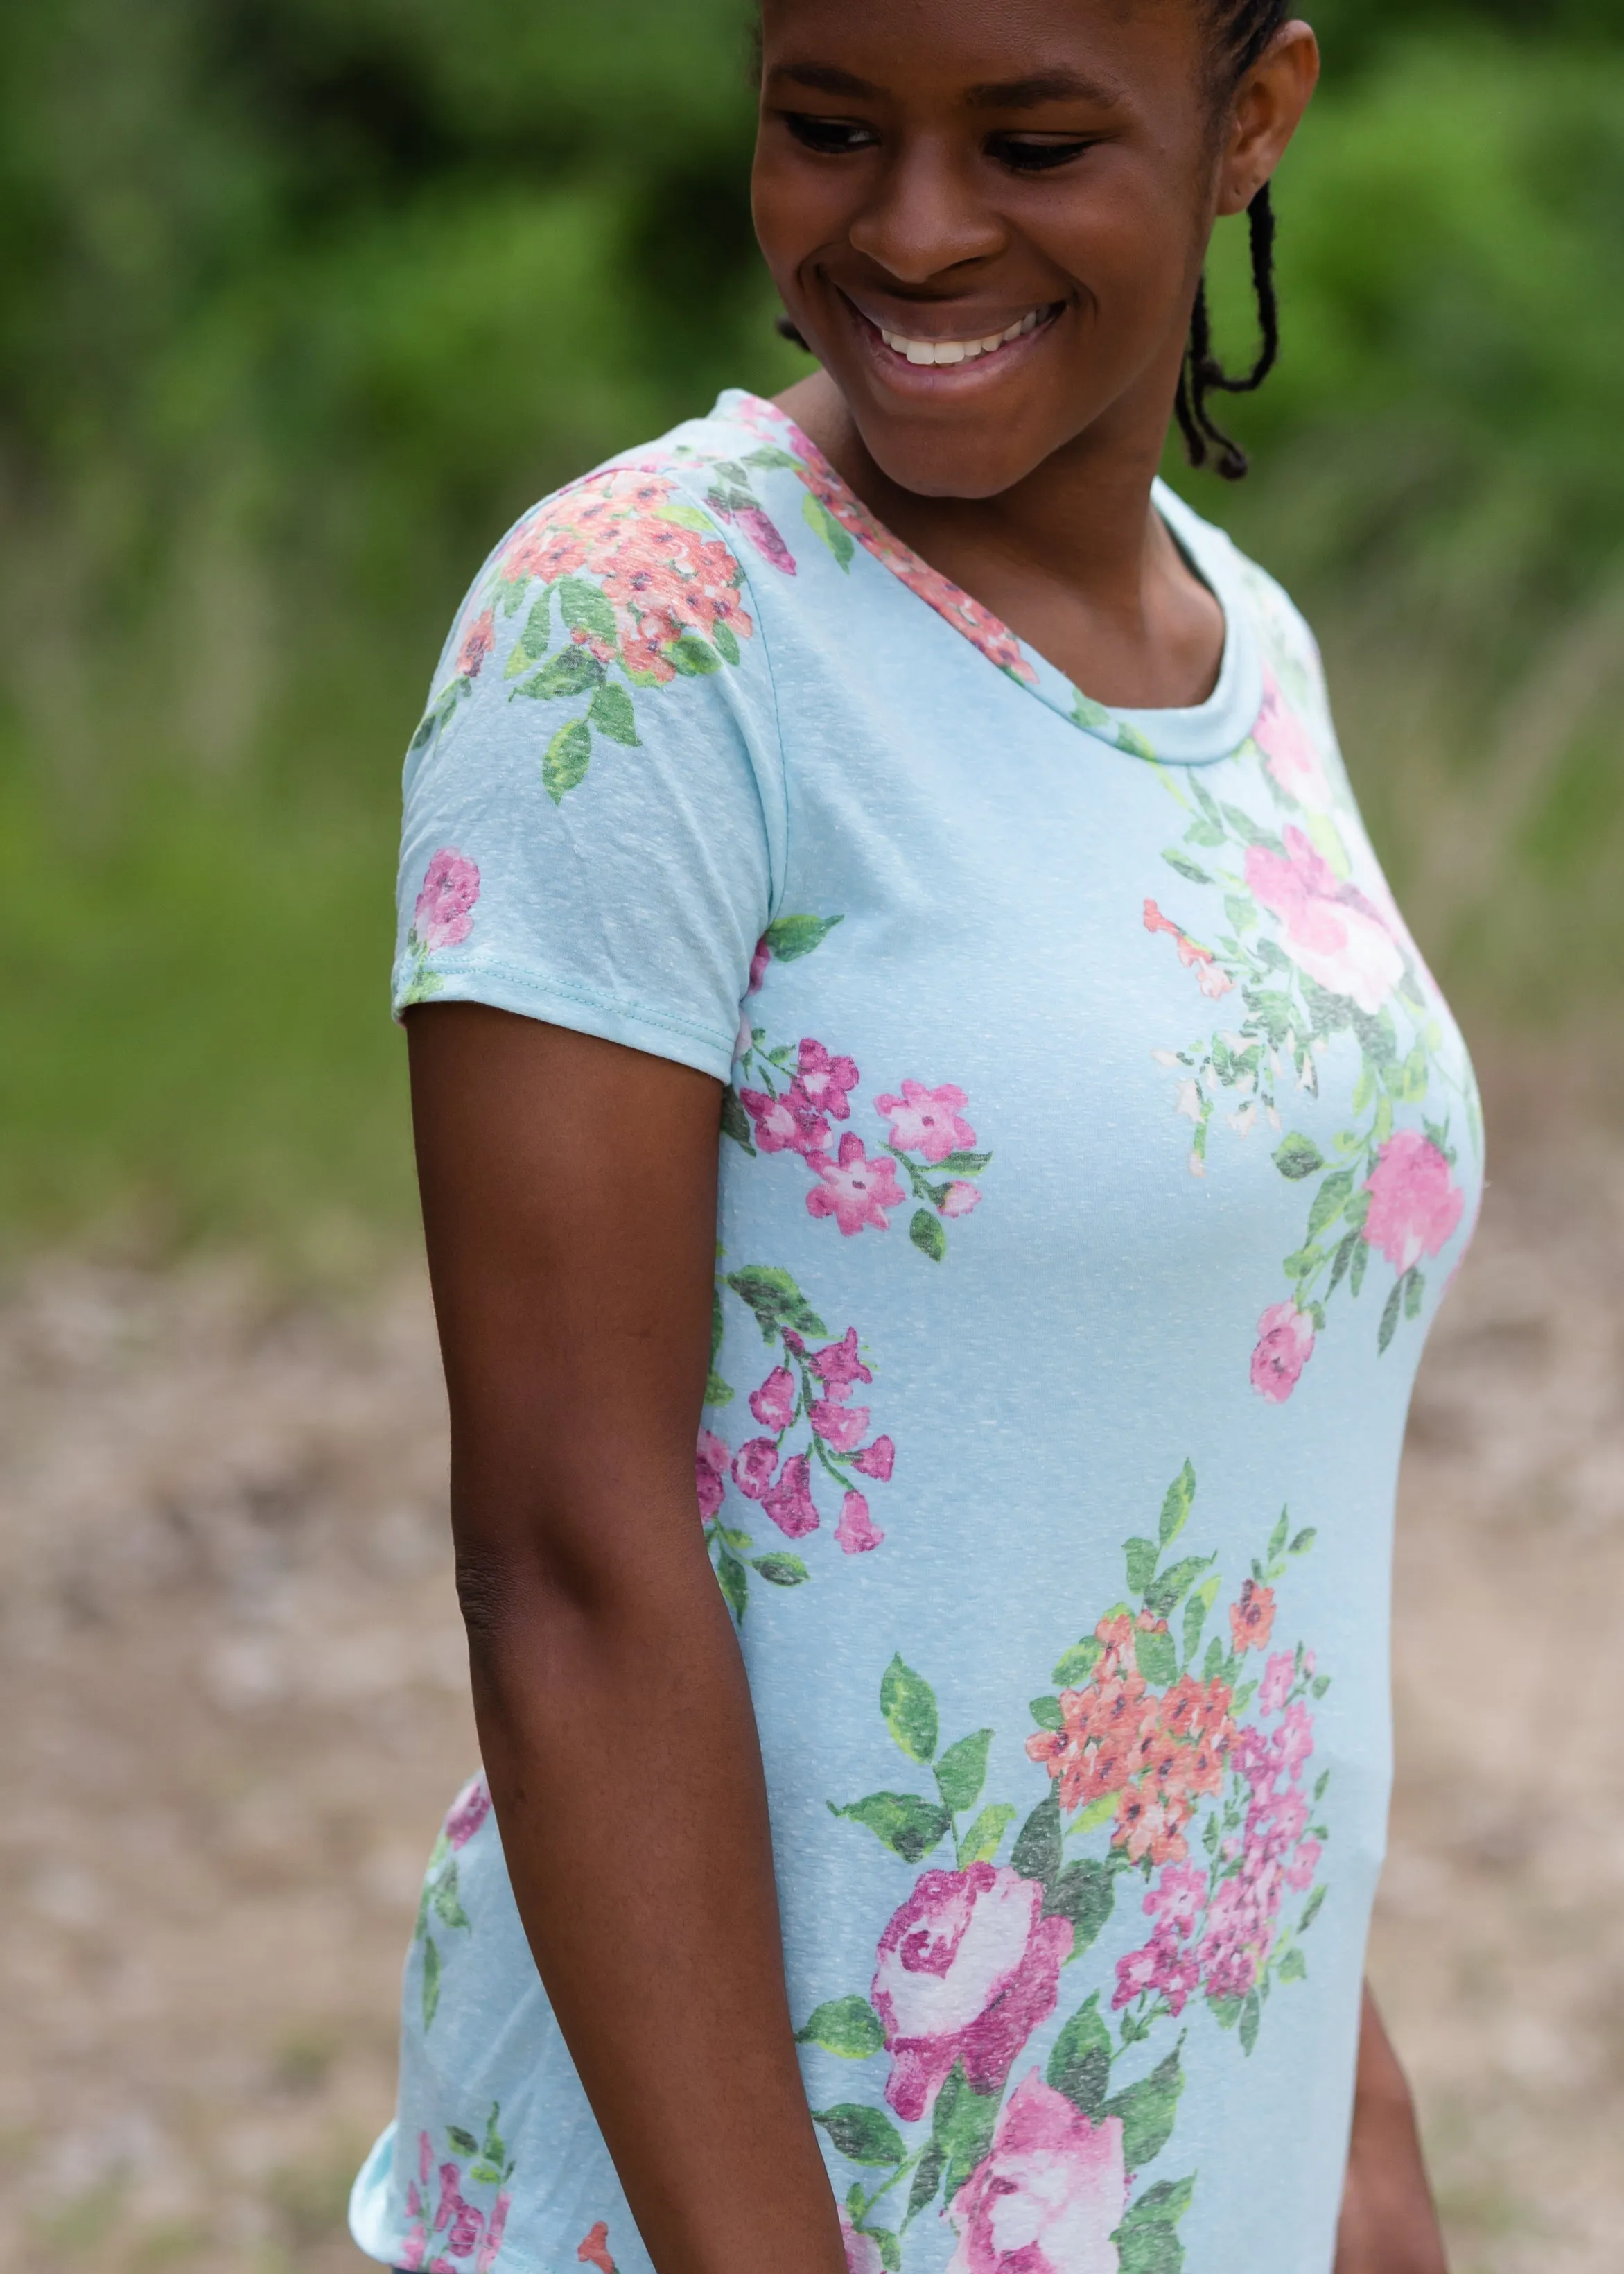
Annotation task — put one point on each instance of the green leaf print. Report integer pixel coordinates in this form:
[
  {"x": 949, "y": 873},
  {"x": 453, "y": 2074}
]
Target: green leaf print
[
  {"x": 1196, "y": 1612},
  {"x": 1298, "y": 1157},
  {"x": 847, "y": 2026},
  {"x": 908, "y": 1826},
  {"x": 1293, "y": 1967},
  {"x": 1086, "y": 1894},
  {"x": 570, "y": 672},
  {"x": 790, "y": 938},
  {"x": 445, "y": 1903},
  {"x": 1142, "y": 1556},
  {"x": 568, "y": 757},
  {"x": 532, "y": 642},
  {"x": 430, "y": 1981},
  {"x": 909, "y": 1706},
  {"x": 727, "y": 645},
  {"x": 1048, "y": 1712},
  {"x": 961, "y": 2126},
  {"x": 962, "y": 1771},
  {"x": 823, "y": 525},
  {"x": 462, "y": 2140},
  {"x": 612, "y": 714},
  {"x": 1157, "y": 1658},
  {"x": 1148, "y": 2110},
  {"x": 1163, "y": 1597},
  {"x": 1080, "y": 2064},
  {"x": 693, "y": 658},
  {"x": 1176, "y": 1506},
  {"x": 782, "y": 1570},
  {"x": 985, "y": 1837},
  {"x": 1329, "y": 1202},
  {"x": 1037, "y": 1849},
  {"x": 736, "y": 1124},
  {"x": 1078, "y": 1663},
  {"x": 585, "y": 609},
  {"x": 735, "y": 1583},
  {"x": 863, "y": 2136},
  {"x": 926, "y": 2180},
  {"x": 928, "y": 1236},
  {"x": 1252, "y": 2017},
  {"x": 775, "y": 1299},
  {"x": 1389, "y": 1317}
]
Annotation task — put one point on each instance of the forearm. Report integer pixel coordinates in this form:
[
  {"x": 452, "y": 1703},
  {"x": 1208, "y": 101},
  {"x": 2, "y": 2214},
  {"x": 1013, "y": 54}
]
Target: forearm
[
  {"x": 1389, "y": 2225},
  {"x": 622, "y": 1751}
]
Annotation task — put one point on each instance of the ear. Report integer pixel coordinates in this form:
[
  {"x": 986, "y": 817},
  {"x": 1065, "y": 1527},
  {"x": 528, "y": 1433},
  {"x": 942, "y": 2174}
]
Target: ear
[{"x": 1268, "y": 106}]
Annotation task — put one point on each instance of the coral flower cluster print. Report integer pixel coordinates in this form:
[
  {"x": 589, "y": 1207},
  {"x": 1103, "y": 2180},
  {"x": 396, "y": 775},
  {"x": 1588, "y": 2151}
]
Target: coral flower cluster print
[
  {"x": 1311, "y": 959},
  {"x": 450, "y": 2232},
  {"x": 443, "y": 917},
  {"x": 1177, "y": 1764}
]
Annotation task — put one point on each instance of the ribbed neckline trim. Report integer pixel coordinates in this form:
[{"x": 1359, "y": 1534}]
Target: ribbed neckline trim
[{"x": 1199, "y": 735}]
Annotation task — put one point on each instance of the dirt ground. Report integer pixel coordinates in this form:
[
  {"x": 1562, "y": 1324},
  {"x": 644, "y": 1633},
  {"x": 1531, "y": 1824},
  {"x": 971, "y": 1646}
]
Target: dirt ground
[{"x": 232, "y": 1689}]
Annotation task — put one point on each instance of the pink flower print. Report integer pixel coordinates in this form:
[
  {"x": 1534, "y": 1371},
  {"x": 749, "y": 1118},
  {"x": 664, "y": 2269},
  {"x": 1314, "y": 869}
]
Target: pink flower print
[
  {"x": 966, "y": 1970},
  {"x": 1163, "y": 1968},
  {"x": 759, "y": 961},
  {"x": 425, "y": 2158},
  {"x": 478, "y": 641},
  {"x": 855, "y": 1190},
  {"x": 790, "y": 1502},
  {"x": 493, "y": 2234},
  {"x": 856, "y": 1531},
  {"x": 928, "y": 1121},
  {"x": 1177, "y": 1897},
  {"x": 1415, "y": 1203},
  {"x": 594, "y": 2251},
  {"x": 709, "y": 1472},
  {"x": 1285, "y": 1345},
  {"x": 862, "y": 2252},
  {"x": 958, "y": 1199},
  {"x": 1048, "y": 2195},
  {"x": 1328, "y": 928},
  {"x": 764, "y": 537},
  {"x": 1300, "y": 1871},
  {"x": 449, "y": 2197},
  {"x": 753, "y": 1465},
  {"x": 773, "y": 1405},
  {"x": 877, "y": 1460},
  {"x": 468, "y": 1812},
  {"x": 837, "y": 1367},
  {"x": 789, "y": 1123},
  {"x": 1287, "y": 748},
  {"x": 1275, "y": 1686},
  {"x": 841, "y": 1428},
  {"x": 444, "y": 917},
  {"x": 826, "y": 1082},
  {"x": 1211, "y": 979},
  {"x": 467, "y": 2229},
  {"x": 1294, "y": 1740}
]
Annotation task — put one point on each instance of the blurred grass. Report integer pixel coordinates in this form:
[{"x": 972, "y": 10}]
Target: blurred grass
[{"x": 302, "y": 301}]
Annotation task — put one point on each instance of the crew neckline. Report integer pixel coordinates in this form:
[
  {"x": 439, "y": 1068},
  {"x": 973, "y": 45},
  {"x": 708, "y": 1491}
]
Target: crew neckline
[{"x": 1201, "y": 733}]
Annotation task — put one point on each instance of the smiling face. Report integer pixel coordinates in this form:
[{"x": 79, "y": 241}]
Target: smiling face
[{"x": 988, "y": 221}]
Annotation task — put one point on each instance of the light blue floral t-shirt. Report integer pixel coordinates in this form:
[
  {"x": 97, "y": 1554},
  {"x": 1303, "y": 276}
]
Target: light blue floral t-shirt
[{"x": 1096, "y": 1150}]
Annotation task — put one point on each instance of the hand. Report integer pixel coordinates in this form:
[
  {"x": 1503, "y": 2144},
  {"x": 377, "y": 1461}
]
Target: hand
[{"x": 1389, "y": 2224}]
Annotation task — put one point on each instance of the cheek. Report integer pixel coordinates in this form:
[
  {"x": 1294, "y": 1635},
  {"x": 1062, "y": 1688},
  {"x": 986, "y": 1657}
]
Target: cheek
[{"x": 795, "y": 209}]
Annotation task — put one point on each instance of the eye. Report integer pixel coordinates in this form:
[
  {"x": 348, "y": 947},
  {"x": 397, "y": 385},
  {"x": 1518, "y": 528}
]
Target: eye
[
  {"x": 1036, "y": 153},
  {"x": 831, "y": 138}
]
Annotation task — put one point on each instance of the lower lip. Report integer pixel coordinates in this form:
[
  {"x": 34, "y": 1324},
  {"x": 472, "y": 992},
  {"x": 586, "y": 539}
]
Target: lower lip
[{"x": 896, "y": 370}]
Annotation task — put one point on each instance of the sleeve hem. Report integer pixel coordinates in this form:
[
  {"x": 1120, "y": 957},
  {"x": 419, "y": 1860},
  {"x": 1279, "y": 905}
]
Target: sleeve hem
[{"x": 510, "y": 987}]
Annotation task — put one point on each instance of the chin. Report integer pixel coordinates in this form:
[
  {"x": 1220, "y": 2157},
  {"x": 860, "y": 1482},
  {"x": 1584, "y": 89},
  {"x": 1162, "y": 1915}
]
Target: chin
[{"x": 972, "y": 457}]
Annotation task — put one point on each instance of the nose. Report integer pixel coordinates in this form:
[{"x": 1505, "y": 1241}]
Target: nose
[{"x": 925, "y": 216}]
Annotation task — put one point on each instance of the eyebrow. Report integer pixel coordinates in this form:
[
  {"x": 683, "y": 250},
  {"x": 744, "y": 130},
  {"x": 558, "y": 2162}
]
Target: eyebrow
[{"x": 1028, "y": 93}]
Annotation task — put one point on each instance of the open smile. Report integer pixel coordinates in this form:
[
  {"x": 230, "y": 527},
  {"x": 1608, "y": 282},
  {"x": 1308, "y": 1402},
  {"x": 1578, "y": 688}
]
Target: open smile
[{"x": 974, "y": 347}]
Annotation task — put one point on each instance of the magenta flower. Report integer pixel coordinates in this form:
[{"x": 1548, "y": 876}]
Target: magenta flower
[
  {"x": 855, "y": 1190},
  {"x": 862, "y": 2252},
  {"x": 958, "y": 1199},
  {"x": 709, "y": 1472},
  {"x": 856, "y": 1531},
  {"x": 443, "y": 917},
  {"x": 1294, "y": 1740},
  {"x": 764, "y": 537},
  {"x": 760, "y": 959},
  {"x": 966, "y": 1970},
  {"x": 877, "y": 1460},
  {"x": 1285, "y": 1345},
  {"x": 1275, "y": 1686},
  {"x": 789, "y": 1123},
  {"x": 841, "y": 1428},
  {"x": 837, "y": 1367},
  {"x": 1415, "y": 1203},
  {"x": 1049, "y": 2194},
  {"x": 467, "y": 1813},
  {"x": 1300, "y": 1871},
  {"x": 773, "y": 1405},
  {"x": 449, "y": 2195},
  {"x": 494, "y": 2234},
  {"x": 927, "y": 1120},
  {"x": 752, "y": 1468},
  {"x": 826, "y": 1081},
  {"x": 467, "y": 2229},
  {"x": 1177, "y": 1897},
  {"x": 790, "y": 1502}
]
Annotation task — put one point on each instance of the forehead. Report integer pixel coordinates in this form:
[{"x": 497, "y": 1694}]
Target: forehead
[{"x": 982, "y": 52}]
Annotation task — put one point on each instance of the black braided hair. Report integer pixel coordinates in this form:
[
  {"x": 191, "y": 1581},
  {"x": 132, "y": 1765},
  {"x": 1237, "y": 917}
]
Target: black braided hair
[{"x": 1244, "y": 29}]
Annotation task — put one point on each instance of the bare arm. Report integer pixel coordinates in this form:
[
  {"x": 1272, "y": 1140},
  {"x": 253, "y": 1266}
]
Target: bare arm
[
  {"x": 569, "y": 1202},
  {"x": 1388, "y": 2222}
]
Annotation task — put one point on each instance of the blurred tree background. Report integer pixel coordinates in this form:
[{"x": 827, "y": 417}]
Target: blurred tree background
[{"x": 302, "y": 301}]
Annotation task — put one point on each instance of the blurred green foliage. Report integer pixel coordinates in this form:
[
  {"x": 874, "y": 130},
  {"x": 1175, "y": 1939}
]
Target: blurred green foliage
[{"x": 302, "y": 301}]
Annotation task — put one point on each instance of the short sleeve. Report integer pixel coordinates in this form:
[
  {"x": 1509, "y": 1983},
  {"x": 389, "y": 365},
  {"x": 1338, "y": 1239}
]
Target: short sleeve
[{"x": 594, "y": 802}]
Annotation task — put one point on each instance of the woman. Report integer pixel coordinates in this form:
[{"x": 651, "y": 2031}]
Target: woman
[{"x": 896, "y": 793}]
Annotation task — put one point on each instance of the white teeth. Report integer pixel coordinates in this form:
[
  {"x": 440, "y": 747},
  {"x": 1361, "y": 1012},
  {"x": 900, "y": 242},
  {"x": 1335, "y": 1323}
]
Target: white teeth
[{"x": 950, "y": 352}]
